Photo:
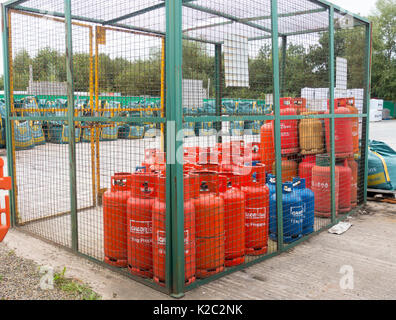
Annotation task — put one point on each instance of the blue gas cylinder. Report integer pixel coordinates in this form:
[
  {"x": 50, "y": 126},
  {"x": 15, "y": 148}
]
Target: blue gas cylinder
[
  {"x": 293, "y": 215},
  {"x": 271, "y": 183},
  {"x": 308, "y": 199}
]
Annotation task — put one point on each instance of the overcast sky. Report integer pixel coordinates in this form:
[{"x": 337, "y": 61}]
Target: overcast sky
[{"x": 362, "y": 7}]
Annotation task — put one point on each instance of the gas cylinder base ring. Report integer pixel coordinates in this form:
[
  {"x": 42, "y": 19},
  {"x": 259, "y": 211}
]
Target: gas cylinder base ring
[
  {"x": 256, "y": 251},
  {"x": 234, "y": 262},
  {"x": 286, "y": 152},
  {"x": 116, "y": 262},
  {"x": 286, "y": 239},
  {"x": 290, "y": 239},
  {"x": 145, "y": 273},
  {"x": 308, "y": 231},
  {"x": 162, "y": 282},
  {"x": 344, "y": 155},
  {"x": 205, "y": 273},
  {"x": 324, "y": 214},
  {"x": 312, "y": 152},
  {"x": 345, "y": 210}
]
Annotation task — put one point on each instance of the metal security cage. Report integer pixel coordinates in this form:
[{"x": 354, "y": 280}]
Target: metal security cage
[{"x": 178, "y": 141}]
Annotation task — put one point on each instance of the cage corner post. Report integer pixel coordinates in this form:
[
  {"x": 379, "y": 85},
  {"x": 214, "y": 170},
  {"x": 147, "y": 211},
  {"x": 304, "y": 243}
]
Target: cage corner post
[
  {"x": 174, "y": 176},
  {"x": 366, "y": 107},
  {"x": 7, "y": 55},
  {"x": 277, "y": 121},
  {"x": 218, "y": 89},
  {"x": 283, "y": 66},
  {"x": 332, "y": 115},
  {"x": 71, "y": 126}
]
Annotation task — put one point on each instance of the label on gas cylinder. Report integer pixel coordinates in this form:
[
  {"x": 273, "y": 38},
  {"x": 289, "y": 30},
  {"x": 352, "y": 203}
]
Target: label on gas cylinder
[
  {"x": 258, "y": 214},
  {"x": 297, "y": 214},
  {"x": 161, "y": 241},
  {"x": 141, "y": 240},
  {"x": 285, "y": 126},
  {"x": 140, "y": 227},
  {"x": 321, "y": 185}
]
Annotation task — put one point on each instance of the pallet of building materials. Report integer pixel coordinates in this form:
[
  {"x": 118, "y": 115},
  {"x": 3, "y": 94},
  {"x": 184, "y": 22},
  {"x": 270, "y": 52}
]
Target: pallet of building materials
[
  {"x": 23, "y": 136},
  {"x": 127, "y": 131},
  {"x": 58, "y": 133},
  {"x": 379, "y": 194},
  {"x": 237, "y": 128},
  {"x": 381, "y": 166},
  {"x": 38, "y": 133}
]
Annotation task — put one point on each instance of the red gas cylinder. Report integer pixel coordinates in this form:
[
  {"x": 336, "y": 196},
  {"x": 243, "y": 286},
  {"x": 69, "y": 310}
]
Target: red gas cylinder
[
  {"x": 300, "y": 104},
  {"x": 345, "y": 186},
  {"x": 267, "y": 146},
  {"x": 305, "y": 170},
  {"x": 252, "y": 152},
  {"x": 159, "y": 230},
  {"x": 289, "y": 170},
  {"x": 289, "y": 132},
  {"x": 321, "y": 186},
  {"x": 256, "y": 209},
  {"x": 209, "y": 222},
  {"x": 231, "y": 152},
  {"x": 189, "y": 167},
  {"x": 354, "y": 167},
  {"x": 139, "y": 219},
  {"x": 190, "y": 155},
  {"x": 286, "y": 102},
  {"x": 234, "y": 219},
  {"x": 350, "y": 104},
  {"x": 115, "y": 219},
  {"x": 342, "y": 134}
]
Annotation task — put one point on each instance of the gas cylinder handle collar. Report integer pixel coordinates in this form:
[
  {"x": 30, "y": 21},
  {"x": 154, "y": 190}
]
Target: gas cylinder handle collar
[
  {"x": 295, "y": 184},
  {"x": 204, "y": 186},
  {"x": 120, "y": 182},
  {"x": 146, "y": 188}
]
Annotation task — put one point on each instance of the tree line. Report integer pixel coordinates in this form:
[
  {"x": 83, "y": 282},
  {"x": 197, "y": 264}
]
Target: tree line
[{"x": 306, "y": 64}]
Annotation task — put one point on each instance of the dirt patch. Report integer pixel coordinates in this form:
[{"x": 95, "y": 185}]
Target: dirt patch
[{"x": 23, "y": 279}]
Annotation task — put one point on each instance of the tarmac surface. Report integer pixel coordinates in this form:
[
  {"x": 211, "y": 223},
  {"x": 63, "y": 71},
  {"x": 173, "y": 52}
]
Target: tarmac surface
[
  {"x": 316, "y": 269},
  {"x": 359, "y": 264}
]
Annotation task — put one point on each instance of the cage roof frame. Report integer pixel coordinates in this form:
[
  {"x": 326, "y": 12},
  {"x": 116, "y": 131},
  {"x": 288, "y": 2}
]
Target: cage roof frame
[{"x": 16, "y": 4}]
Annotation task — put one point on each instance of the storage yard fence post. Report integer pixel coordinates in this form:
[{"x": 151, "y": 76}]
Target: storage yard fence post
[{"x": 182, "y": 141}]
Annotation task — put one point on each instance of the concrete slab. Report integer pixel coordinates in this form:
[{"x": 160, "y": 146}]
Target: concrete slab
[
  {"x": 384, "y": 131},
  {"x": 309, "y": 271}
]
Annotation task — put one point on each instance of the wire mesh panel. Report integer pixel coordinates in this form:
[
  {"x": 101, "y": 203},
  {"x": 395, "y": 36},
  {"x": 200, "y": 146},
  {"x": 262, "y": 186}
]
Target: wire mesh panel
[
  {"x": 264, "y": 157},
  {"x": 350, "y": 51},
  {"x": 41, "y": 169},
  {"x": 305, "y": 83},
  {"x": 228, "y": 78}
]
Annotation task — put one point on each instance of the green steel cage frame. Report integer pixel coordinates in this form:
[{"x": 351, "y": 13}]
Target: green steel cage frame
[{"x": 174, "y": 118}]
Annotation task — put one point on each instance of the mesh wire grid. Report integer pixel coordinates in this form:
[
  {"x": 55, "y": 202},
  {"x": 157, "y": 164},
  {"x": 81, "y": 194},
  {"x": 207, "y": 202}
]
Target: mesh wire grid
[{"x": 229, "y": 133}]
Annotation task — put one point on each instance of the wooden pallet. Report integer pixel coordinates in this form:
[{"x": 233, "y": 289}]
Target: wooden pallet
[{"x": 379, "y": 194}]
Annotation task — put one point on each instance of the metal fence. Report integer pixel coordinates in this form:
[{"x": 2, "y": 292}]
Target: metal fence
[{"x": 236, "y": 129}]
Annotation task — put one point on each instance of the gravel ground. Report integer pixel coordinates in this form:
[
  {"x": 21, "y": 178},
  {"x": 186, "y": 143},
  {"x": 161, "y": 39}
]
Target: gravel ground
[{"x": 20, "y": 280}]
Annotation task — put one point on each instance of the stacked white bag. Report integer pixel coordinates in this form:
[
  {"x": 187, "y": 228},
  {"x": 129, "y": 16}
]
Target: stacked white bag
[{"x": 376, "y": 108}]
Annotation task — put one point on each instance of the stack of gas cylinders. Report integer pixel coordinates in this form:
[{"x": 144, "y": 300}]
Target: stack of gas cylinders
[
  {"x": 304, "y": 144},
  {"x": 226, "y": 212},
  {"x": 230, "y": 198}
]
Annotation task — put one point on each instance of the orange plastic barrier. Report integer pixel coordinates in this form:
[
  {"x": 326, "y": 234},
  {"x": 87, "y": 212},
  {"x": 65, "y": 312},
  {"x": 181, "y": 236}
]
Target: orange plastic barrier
[{"x": 5, "y": 184}]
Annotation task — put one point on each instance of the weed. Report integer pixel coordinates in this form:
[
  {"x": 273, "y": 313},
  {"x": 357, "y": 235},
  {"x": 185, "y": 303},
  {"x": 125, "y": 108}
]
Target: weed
[{"x": 74, "y": 287}]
